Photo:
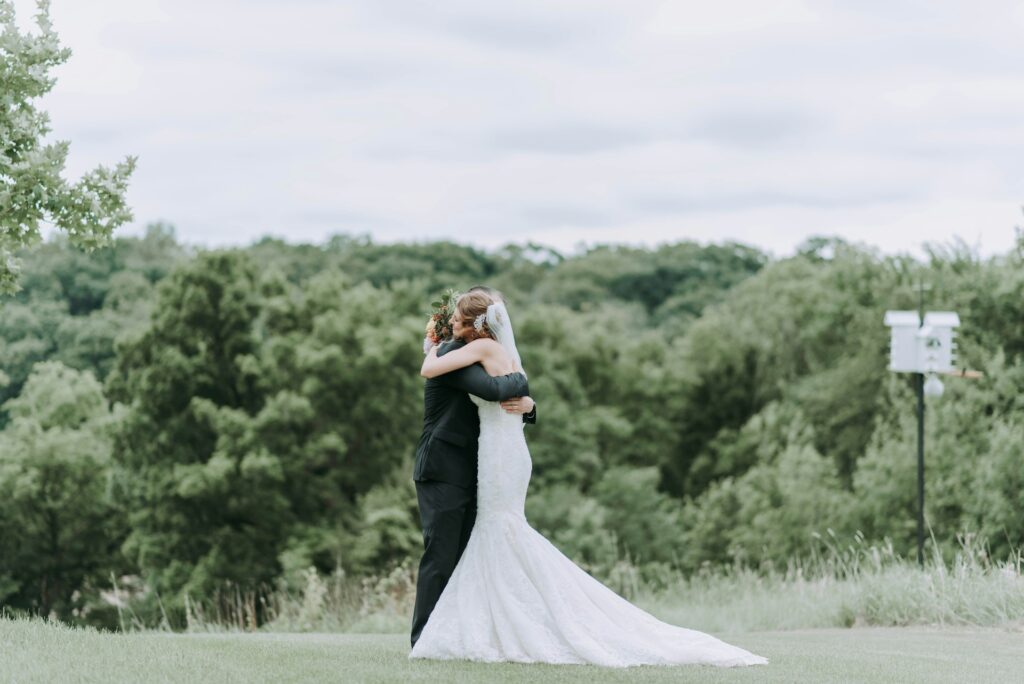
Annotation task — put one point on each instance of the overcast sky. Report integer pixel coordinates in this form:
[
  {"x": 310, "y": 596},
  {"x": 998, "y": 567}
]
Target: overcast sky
[{"x": 557, "y": 121}]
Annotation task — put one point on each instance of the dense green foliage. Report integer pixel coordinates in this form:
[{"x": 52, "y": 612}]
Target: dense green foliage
[
  {"x": 59, "y": 524},
  {"x": 239, "y": 416},
  {"x": 31, "y": 186}
]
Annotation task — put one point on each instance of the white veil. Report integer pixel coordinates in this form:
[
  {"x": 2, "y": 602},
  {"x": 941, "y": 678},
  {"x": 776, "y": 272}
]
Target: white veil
[{"x": 501, "y": 327}]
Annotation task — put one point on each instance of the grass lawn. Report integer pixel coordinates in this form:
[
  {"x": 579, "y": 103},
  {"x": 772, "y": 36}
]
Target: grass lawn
[{"x": 40, "y": 652}]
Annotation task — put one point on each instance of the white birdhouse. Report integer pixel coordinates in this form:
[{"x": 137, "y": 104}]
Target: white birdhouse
[
  {"x": 917, "y": 348},
  {"x": 903, "y": 340},
  {"x": 935, "y": 343}
]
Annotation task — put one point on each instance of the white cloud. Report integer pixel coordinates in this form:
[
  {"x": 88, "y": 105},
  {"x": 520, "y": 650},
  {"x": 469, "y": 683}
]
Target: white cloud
[
  {"x": 727, "y": 17},
  {"x": 557, "y": 121}
]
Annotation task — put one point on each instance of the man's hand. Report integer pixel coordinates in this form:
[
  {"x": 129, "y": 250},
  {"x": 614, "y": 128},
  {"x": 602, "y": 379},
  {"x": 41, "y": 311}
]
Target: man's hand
[{"x": 518, "y": 405}]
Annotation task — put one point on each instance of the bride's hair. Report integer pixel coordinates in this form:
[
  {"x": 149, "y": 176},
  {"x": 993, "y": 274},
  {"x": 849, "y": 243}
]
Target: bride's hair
[{"x": 469, "y": 306}]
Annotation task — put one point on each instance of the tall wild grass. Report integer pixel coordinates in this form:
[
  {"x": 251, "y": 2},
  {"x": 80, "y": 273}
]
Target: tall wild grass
[
  {"x": 847, "y": 586},
  {"x": 836, "y": 586}
]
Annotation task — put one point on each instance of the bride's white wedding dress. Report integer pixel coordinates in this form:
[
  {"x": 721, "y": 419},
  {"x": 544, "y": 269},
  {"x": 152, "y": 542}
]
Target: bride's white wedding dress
[{"x": 515, "y": 597}]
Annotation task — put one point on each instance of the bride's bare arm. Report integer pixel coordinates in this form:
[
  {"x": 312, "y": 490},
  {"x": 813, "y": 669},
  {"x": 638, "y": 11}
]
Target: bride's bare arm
[{"x": 476, "y": 351}]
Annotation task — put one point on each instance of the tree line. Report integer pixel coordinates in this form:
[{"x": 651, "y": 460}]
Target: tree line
[{"x": 183, "y": 418}]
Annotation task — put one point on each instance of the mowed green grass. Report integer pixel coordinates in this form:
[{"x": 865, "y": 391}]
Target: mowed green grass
[{"x": 35, "y": 651}]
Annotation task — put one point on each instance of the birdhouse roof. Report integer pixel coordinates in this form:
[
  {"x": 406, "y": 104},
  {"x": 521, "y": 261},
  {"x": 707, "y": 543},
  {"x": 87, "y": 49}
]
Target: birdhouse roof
[
  {"x": 902, "y": 318},
  {"x": 942, "y": 319}
]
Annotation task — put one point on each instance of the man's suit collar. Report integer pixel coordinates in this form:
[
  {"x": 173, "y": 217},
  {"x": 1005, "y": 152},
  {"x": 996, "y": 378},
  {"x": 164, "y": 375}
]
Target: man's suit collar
[{"x": 450, "y": 344}]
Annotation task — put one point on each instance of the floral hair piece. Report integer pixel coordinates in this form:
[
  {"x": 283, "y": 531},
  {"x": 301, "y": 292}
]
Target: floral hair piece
[{"x": 479, "y": 322}]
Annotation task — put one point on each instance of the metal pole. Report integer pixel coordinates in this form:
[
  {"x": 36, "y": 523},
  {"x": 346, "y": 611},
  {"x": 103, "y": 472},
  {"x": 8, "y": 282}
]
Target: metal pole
[
  {"x": 920, "y": 444},
  {"x": 920, "y": 469}
]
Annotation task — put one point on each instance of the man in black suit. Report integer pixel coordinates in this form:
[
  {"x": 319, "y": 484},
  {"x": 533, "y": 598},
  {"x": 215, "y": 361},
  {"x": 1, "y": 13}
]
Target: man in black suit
[{"x": 446, "y": 463}]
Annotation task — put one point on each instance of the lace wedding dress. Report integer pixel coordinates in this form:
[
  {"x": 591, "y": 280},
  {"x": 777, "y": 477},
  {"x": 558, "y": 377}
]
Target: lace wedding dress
[{"x": 515, "y": 597}]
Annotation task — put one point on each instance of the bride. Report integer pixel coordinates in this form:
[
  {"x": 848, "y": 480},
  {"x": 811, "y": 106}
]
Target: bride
[{"x": 513, "y": 596}]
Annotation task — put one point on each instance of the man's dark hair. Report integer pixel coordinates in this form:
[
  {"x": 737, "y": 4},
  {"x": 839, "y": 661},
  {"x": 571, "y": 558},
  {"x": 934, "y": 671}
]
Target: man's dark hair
[{"x": 489, "y": 291}]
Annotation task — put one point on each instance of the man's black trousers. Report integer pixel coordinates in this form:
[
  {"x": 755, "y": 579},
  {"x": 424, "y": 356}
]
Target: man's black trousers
[{"x": 447, "y": 513}]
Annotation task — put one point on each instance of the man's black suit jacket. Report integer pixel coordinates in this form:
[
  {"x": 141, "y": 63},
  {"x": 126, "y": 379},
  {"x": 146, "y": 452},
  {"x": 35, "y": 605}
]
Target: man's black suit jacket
[{"x": 447, "y": 450}]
